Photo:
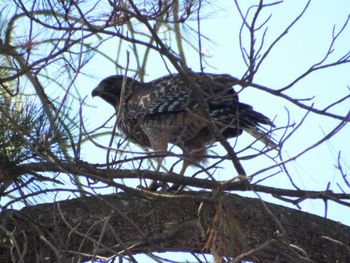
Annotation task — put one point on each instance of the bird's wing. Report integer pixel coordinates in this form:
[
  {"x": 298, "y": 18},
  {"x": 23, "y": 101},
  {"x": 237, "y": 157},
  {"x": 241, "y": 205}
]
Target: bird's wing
[
  {"x": 149, "y": 100},
  {"x": 172, "y": 94}
]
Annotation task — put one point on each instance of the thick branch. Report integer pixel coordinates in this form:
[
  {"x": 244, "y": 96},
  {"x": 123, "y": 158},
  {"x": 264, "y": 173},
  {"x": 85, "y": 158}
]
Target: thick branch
[{"x": 123, "y": 224}]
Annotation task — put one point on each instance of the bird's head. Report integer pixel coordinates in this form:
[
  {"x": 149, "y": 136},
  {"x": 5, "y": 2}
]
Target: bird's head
[{"x": 109, "y": 89}]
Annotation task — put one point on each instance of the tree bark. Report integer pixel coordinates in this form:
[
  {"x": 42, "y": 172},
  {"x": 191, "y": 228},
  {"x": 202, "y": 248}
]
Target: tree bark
[{"x": 228, "y": 226}]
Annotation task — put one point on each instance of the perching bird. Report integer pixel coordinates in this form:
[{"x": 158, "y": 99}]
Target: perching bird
[{"x": 167, "y": 110}]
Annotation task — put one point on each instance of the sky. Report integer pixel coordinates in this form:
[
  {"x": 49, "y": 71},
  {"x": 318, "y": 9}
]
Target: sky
[{"x": 304, "y": 45}]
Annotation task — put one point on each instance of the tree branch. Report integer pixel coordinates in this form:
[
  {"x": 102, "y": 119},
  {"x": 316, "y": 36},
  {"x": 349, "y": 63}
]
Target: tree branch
[{"x": 114, "y": 225}]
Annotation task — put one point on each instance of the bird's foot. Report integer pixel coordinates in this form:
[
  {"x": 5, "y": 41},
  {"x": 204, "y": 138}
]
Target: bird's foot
[{"x": 154, "y": 186}]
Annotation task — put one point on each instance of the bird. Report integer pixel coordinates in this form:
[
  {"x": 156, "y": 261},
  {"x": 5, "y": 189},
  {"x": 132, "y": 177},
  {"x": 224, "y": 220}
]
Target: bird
[{"x": 170, "y": 110}]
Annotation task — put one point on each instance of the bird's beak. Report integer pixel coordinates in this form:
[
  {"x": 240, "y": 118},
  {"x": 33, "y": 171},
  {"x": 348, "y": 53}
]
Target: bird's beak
[{"x": 97, "y": 91}]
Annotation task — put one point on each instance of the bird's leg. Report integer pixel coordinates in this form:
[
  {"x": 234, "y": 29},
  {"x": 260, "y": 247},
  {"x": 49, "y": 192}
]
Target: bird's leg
[
  {"x": 159, "y": 144},
  {"x": 195, "y": 156},
  {"x": 185, "y": 164},
  {"x": 154, "y": 184}
]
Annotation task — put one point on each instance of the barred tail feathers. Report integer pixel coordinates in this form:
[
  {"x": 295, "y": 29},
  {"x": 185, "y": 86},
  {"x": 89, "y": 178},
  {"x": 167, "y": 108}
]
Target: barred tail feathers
[
  {"x": 261, "y": 135},
  {"x": 251, "y": 121}
]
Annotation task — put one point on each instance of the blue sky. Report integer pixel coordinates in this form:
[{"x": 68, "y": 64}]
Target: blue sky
[{"x": 303, "y": 46}]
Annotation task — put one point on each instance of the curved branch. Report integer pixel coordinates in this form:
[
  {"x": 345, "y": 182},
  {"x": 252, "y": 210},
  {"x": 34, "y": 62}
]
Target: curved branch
[{"x": 103, "y": 227}]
